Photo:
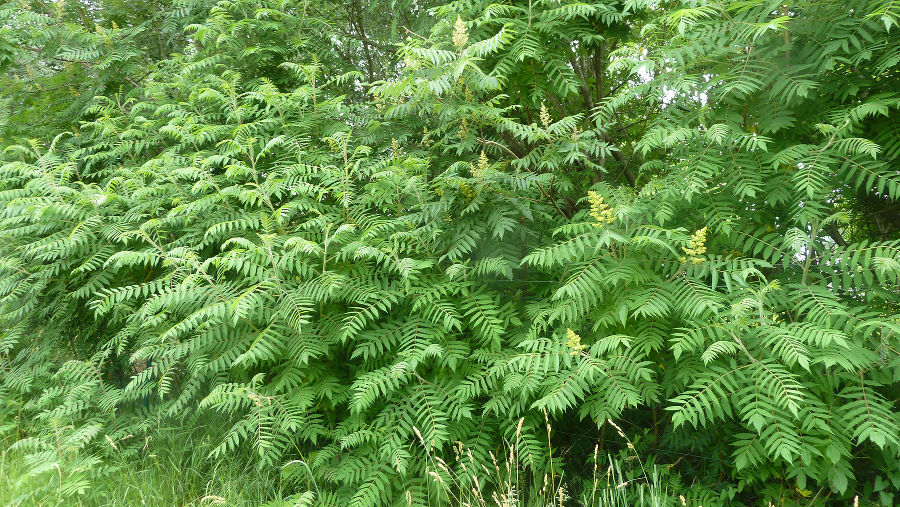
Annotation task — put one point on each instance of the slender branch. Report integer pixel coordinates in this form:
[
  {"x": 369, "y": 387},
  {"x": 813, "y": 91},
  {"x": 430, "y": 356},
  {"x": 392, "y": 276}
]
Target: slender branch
[
  {"x": 39, "y": 51},
  {"x": 810, "y": 252},
  {"x": 486, "y": 141},
  {"x": 552, "y": 201},
  {"x": 835, "y": 234},
  {"x": 408, "y": 31},
  {"x": 366, "y": 40},
  {"x": 585, "y": 90}
]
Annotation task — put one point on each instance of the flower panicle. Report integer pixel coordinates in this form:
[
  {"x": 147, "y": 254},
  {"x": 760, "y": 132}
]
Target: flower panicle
[
  {"x": 573, "y": 341},
  {"x": 460, "y": 33},
  {"x": 545, "y": 116},
  {"x": 600, "y": 211},
  {"x": 696, "y": 247}
]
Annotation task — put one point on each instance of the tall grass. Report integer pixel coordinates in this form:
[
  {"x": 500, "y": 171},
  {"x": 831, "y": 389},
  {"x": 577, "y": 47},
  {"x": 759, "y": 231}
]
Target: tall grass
[
  {"x": 172, "y": 468},
  {"x": 511, "y": 481}
]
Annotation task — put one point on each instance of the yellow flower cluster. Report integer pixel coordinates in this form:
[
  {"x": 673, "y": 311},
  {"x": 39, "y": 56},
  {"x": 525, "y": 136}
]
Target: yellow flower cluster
[
  {"x": 545, "y": 115},
  {"x": 696, "y": 246},
  {"x": 576, "y": 133},
  {"x": 460, "y": 33},
  {"x": 483, "y": 164},
  {"x": 573, "y": 342},
  {"x": 467, "y": 191},
  {"x": 602, "y": 212}
]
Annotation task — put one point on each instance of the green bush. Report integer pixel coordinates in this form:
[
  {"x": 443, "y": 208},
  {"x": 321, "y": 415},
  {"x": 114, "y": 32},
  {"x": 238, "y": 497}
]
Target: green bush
[{"x": 676, "y": 217}]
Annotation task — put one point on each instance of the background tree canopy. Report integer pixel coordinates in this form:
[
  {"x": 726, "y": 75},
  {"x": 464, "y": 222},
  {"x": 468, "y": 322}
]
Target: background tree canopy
[{"x": 373, "y": 235}]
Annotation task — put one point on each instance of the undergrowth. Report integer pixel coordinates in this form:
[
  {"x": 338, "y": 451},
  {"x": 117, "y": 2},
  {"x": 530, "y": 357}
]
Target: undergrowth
[
  {"x": 174, "y": 467},
  {"x": 170, "y": 468}
]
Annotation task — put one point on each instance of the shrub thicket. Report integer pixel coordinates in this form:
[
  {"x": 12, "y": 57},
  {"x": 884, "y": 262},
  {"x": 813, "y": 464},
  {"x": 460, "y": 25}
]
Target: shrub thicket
[{"x": 362, "y": 235}]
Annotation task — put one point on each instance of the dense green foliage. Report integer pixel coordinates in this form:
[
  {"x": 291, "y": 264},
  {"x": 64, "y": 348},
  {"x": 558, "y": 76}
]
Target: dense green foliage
[{"x": 360, "y": 234}]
